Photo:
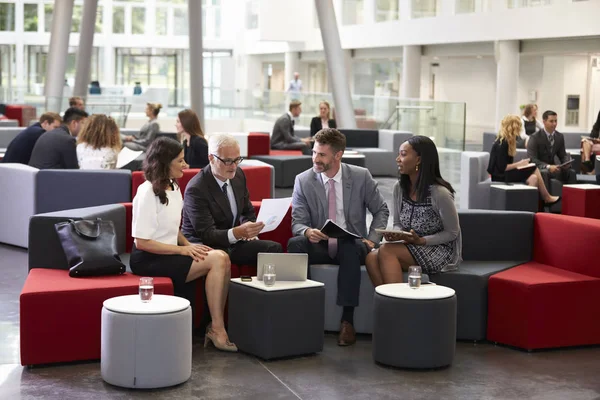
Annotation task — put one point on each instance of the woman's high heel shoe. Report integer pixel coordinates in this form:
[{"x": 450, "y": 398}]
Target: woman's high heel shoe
[
  {"x": 226, "y": 345},
  {"x": 551, "y": 203}
]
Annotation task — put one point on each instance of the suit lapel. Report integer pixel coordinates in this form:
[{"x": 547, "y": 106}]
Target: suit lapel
[
  {"x": 239, "y": 189},
  {"x": 319, "y": 189},
  {"x": 347, "y": 182},
  {"x": 220, "y": 198}
]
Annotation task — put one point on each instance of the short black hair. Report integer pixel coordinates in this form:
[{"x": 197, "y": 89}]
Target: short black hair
[
  {"x": 74, "y": 114},
  {"x": 547, "y": 114}
]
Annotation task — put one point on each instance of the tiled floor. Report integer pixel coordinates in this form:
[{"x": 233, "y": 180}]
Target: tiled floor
[{"x": 481, "y": 371}]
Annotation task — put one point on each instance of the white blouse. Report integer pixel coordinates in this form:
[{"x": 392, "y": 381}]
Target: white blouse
[
  {"x": 90, "y": 158},
  {"x": 153, "y": 220}
]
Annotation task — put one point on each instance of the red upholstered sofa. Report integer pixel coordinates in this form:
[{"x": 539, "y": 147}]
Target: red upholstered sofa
[
  {"x": 60, "y": 316},
  {"x": 551, "y": 301},
  {"x": 258, "y": 180}
]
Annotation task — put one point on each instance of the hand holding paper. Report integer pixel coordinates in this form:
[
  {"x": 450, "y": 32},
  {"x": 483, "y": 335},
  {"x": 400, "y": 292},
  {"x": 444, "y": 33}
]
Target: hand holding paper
[{"x": 272, "y": 212}]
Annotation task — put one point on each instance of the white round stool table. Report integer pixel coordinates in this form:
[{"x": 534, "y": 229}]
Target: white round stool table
[
  {"x": 414, "y": 328},
  {"x": 146, "y": 345}
]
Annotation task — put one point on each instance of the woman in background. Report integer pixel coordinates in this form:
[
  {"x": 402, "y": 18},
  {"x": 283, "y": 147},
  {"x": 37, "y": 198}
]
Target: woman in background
[
  {"x": 195, "y": 146},
  {"x": 99, "y": 143},
  {"x": 147, "y": 133},
  {"x": 502, "y": 167},
  {"x": 323, "y": 120},
  {"x": 530, "y": 125}
]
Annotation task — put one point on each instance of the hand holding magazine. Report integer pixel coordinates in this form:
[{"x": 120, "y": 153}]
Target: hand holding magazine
[{"x": 333, "y": 230}]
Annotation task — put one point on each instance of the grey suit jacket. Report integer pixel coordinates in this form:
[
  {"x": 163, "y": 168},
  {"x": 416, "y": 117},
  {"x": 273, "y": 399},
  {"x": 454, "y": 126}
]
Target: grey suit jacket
[
  {"x": 310, "y": 208},
  {"x": 542, "y": 154},
  {"x": 283, "y": 132}
]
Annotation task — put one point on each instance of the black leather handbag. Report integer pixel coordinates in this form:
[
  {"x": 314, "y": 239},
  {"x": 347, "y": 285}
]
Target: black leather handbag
[{"x": 90, "y": 247}]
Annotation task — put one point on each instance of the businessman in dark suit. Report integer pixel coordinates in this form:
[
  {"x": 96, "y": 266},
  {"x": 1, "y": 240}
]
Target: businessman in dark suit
[
  {"x": 217, "y": 209},
  {"x": 20, "y": 148},
  {"x": 546, "y": 146},
  {"x": 283, "y": 137}
]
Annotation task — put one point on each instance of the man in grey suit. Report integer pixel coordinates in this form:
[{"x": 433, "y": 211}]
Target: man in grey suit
[
  {"x": 545, "y": 146},
  {"x": 283, "y": 137},
  {"x": 342, "y": 193}
]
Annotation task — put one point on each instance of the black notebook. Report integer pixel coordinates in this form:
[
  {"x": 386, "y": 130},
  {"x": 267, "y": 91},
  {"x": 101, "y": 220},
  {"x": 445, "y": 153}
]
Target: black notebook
[{"x": 333, "y": 230}]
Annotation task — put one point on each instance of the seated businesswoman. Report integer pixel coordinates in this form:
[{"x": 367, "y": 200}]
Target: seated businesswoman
[
  {"x": 502, "y": 167},
  {"x": 424, "y": 210},
  {"x": 323, "y": 120},
  {"x": 195, "y": 146},
  {"x": 160, "y": 249},
  {"x": 99, "y": 143}
]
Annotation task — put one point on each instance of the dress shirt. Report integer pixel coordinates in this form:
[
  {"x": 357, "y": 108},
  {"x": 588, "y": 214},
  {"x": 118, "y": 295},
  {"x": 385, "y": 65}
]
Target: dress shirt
[
  {"x": 232, "y": 205},
  {"x": 340, "y": 218}
]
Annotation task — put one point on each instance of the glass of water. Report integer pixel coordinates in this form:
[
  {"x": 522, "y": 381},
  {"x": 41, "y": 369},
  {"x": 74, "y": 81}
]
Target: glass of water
[
  {"x": 414, "y": 277},
  {"x": 146, "y": 289},
  {"x": 269, "y": 274}
]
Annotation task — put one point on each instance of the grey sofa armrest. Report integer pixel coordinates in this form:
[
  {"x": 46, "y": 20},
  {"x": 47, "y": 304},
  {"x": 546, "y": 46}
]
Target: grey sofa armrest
[
  {"x": 45, "y": 250},
  {"x": 496, "y": 235},
  {"x": 391, "y": 140},
  {"x": 488, "y": 141}
]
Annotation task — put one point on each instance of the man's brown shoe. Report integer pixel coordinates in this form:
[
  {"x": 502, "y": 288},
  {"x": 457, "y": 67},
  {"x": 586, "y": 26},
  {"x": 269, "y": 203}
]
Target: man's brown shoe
[{"x": 347, "y": 336}]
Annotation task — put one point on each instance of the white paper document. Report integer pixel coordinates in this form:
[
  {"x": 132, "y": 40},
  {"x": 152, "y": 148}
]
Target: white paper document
[
  {"x": 272, "y": 212},
  {"x": 126, "y": 156}
]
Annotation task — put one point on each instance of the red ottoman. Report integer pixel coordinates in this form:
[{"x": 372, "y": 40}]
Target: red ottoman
[
  {"x": 581, "y": 200},
  {"x": 60, "y": 315},
  {"x": 23, "y": 113},
  {"x": 259, "y": 144}
]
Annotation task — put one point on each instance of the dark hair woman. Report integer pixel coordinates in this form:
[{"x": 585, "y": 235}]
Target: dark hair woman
[
  {"x": 195, "y": 146},
  {"x": 161, "y": 249},
  {"x": 424, "y": 216}
]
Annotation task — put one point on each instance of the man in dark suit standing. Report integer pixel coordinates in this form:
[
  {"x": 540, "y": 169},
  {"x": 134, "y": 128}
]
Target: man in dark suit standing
[
  {"x": 57, "y": 149},
  {"x": 20, "y": 148},
  {"x": 217, "y": 209},
  {"x": 283, "y": 137},
  {"x": 545, "y": 146}
]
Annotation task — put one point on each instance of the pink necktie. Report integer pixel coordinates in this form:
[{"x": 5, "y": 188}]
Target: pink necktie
[{"x": 332, "y": 244}]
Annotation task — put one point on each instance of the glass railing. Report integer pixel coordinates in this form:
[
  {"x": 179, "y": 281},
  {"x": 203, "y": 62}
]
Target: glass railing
[{"x": 442, "y": 121}]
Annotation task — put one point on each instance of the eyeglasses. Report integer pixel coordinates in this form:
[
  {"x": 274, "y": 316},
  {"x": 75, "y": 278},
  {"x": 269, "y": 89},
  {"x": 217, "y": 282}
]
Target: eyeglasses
[{"x": 230, "y": 162}]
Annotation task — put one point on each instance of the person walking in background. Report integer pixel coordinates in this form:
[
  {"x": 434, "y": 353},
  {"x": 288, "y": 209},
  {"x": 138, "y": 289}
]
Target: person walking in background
[
  {"x": 283, "y": 137},
  {"x": 295, "y": 86},
  {"x": 323, "y": 120},
  {"x": 195, "y": 146},
  {"x": 160, "y": 249},
  {"x": 20, "y": 148},
  {"x": 502, "y": 167},
  {"x": 147, "y": 133},
  {"x": 99, "y": 143},
  {"x": 424, "y": 212},
  {"x": 56, "y": 149}
]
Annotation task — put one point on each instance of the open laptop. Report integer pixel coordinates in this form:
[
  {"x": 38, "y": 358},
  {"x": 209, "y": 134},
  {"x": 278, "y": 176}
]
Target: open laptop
[{"x": 288, "y": 266}]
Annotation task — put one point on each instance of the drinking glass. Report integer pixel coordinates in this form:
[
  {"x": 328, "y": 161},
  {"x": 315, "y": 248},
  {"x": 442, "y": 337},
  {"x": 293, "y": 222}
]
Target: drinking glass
[
  {"x": 269, "y": 274},
  {"x": 414, "y": 277},
  {"x": 146, "y": 289}
]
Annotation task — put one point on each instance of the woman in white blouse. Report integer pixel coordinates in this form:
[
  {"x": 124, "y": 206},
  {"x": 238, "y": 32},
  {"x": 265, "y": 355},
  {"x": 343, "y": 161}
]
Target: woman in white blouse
[
  {"x": 161, "y": 249},
  {"x": 98, "y": 143}
]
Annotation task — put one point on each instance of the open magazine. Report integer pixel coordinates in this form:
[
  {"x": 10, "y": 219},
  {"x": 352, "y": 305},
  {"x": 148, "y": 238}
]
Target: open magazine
[
  {"x": 527, "y": 166},
  {"x": 333, "y": 230}
]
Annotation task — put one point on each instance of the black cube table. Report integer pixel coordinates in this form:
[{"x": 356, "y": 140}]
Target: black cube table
[
  {"x": 514, "y": 198},
  {"x": 283, "y": 320}
]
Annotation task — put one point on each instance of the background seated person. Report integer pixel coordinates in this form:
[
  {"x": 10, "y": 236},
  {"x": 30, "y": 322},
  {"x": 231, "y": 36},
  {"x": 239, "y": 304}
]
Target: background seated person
[
  {"x": 99, "y": 143},
  {"x": 591, "y": 147},
  {"x": 56, "y": 149},
  {"x": 530, "y": 125},
  {"x": 147, "y": 132},
  {"x": 217, "y": 209},
  {"x": 503, "y": 169},
  {"x": 424, "y": 208},
  {"x": 343, "y": 193},
  {"x": 160, "y": 249},
  {"x": 323, "y": 120},
  {"x": 283, "y": 137},
  {"x": 546, "y": 145},
  {"x": 195, "y": 146},
  {"x": 20, "y": 148}
]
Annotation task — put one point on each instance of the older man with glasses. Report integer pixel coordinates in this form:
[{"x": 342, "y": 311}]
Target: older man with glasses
[{"x": 217, "y": 210}]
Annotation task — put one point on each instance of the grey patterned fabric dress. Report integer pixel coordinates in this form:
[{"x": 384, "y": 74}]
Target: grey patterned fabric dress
[{"x": 425, "y": 221}]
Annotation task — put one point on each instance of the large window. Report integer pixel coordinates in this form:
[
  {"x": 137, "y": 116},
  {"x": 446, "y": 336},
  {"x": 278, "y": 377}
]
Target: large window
[
  {"x": 99, "y": 20},
  {"x": 528, "y": 3},
  {"x": 76, "y": 23},
  {"x": 161, "y": 21},
  {"x": 386, "y": 10},
  {"x": 7, "y": 17},
  {"x": 138, "y": 20},
  {"x": 465, "y": 6},
  {"x": 48, "y": 10},
  {"x": 30, "y": 22},
  {"x": 352, "y": 12},
  {"x": 251, "y": 14},
  {"x": 424, "y": 8},
  {"x": 118, "y": 19},
  {"x": 180, "y": 22}
]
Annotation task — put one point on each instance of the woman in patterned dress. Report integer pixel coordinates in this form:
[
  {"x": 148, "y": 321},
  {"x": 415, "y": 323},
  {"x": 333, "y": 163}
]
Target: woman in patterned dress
[{"x": 424, "y": 210}]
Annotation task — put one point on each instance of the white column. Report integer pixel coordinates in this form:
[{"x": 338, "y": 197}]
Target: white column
[
  {"x": 405, "y": 10},
  {"x": 349, "y": 69},
  {"x": 410, "y": 87},
  {"x": 109, "y": 50},
  {"x": 292, "y": 64},
  {"x": 196, "y": 67},
  {"x": 58, "y": 51},
  {"x": 85, "y": 48},
  {"x": 507, "y": 78},
  {"x": 368, "y": 11},
  {"x": 335, "y": 62}
]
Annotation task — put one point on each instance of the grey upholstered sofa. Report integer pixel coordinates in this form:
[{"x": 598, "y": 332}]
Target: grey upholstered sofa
[
  {"x": 7, "y": 134},
  {"x": 474, "y": 180}
]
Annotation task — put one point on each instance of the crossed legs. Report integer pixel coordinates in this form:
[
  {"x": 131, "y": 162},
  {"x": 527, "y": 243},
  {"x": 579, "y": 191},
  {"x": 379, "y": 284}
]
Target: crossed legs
[{"x": 386, "y": 264}]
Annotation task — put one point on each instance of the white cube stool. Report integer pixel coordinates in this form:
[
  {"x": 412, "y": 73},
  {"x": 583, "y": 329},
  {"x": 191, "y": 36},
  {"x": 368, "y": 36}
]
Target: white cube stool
[{"x": 146, "y": 345}]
